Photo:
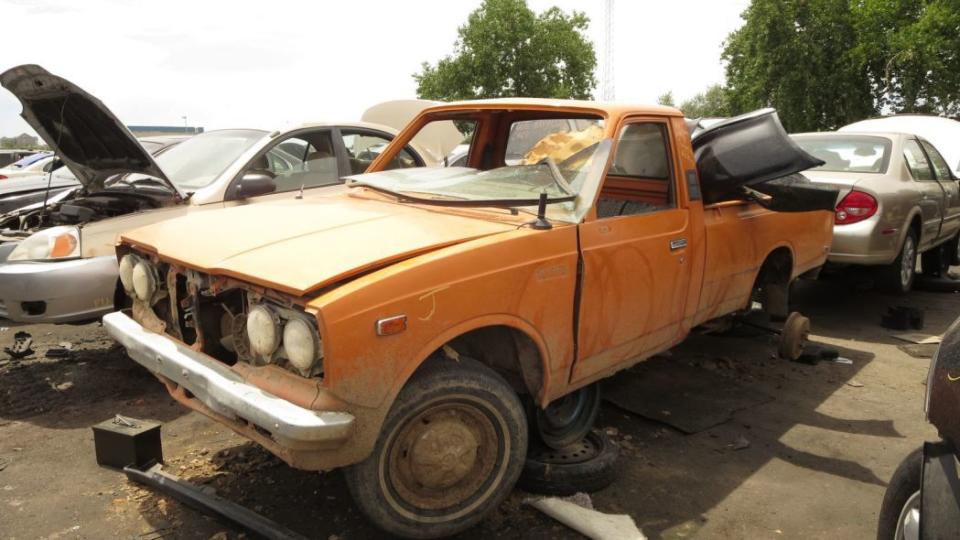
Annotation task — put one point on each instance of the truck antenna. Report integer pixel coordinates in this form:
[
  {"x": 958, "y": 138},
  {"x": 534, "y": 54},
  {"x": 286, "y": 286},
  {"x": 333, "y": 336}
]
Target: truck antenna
[{"x": 541, "y": 222}]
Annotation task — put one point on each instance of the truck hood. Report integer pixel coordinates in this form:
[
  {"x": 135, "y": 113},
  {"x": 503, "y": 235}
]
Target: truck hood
[
  {"x": 89, "y": 139},
  {"x": 301, "y": 245}
]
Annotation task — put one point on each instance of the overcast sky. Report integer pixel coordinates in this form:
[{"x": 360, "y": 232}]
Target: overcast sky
[{"x": 270, "y": 63}]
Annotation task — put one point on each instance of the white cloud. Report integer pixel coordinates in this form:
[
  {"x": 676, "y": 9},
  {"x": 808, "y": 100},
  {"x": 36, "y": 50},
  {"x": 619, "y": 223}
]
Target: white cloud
[{"x": 269, "y": 63}]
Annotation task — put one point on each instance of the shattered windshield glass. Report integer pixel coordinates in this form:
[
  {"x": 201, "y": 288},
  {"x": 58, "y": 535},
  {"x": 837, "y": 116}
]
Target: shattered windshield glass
[{"x": 561, "y": 158}]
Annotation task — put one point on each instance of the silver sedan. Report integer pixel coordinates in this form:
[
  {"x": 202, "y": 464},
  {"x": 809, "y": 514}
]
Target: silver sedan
[{"x": 898, "y": 199}]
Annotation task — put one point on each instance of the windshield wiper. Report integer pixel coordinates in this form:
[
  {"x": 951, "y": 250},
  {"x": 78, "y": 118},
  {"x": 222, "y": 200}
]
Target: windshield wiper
[
  {"x": 452, "y": 200},
  {"x": 557, "y": 175}
]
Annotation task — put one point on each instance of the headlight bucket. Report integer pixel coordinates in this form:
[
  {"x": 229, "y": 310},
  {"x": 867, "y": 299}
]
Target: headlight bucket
[
  {"x": 53, "y": 244},
  {"x": 127, "y": 263},
  {"x": 263, "y": 331},
  {"x": 144, "y": 280},
  {"x": 301, "y": 345}
]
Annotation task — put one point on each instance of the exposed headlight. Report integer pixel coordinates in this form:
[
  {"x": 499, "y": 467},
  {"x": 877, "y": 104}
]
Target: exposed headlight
[
  {"x": 53, "y": 244},
  {"x": 263, "y": 331},
  {"x": 127, "y": 263},
  {"x": 144, "y": 279},
  {"x": 300, "y": 344}
]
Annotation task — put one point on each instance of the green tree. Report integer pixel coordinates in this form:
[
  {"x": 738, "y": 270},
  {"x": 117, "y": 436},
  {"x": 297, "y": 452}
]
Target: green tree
[
  {"x": 666, "y": 99},
  {"x": 911, "y": 50},
  {"x": 506, "y": 50},
  {"x": 711, "y": 102},
  {"x": 799, "y": 57}
]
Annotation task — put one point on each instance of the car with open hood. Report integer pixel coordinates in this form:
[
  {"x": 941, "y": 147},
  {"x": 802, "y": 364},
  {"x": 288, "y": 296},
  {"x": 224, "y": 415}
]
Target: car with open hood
[
  {"x": 898, "y": 201},
  {"x": 412, "y": 327},
  {"x": 57, "y": 260}
]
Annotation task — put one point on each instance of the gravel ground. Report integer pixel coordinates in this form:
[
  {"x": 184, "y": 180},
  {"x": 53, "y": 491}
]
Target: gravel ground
[{"x": 811, "y": 463}]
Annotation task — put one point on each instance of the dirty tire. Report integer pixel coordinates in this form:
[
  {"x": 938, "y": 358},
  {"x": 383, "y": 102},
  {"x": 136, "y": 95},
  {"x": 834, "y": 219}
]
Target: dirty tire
[
  {"x": 449, "y": 451},
  {"x": 904, "y": 484},
  {"x": 897, "y": 277},
  {"x": 793, "y": 336},
  {"x": 563, "y": 472},
  {"x": 567, "y": 419}
]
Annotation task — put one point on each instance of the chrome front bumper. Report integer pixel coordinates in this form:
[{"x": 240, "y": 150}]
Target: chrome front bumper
[
  {"x": 70, "y": 291},
  {"x": 225, "y": 392}
]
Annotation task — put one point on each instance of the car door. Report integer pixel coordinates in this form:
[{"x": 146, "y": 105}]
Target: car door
[
  {"x": 931, "y": 194},
  {"x": 951, "y": 191},
  {"x": 359, "y": 147},
  {"x": 635, "y": 268}
]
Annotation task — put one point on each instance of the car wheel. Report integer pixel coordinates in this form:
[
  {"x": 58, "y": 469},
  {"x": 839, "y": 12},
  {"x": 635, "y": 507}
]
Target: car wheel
[
  {"x": 587, "y": 465},
  {"x": 568, "y": 419},
  {"x": 900, "y": 510},
  {"x": 898, "y": 276},
  {"x": 449, "y": 451}
]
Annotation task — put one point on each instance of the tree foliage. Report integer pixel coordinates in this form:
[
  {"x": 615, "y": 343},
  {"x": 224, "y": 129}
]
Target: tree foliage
[
  {"x": 666, "y": 99},
  {"x": 506, "y": 50},
  {"x": 711, "y": 102},
  {"x": 825, "y": 63},
  {"x": 911, "y": 50},
  {"x": 798, "y": 56}
]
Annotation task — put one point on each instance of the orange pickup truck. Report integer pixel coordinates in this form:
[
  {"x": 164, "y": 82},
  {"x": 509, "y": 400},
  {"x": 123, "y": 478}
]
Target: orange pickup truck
[{"x": 413, "y": 327}]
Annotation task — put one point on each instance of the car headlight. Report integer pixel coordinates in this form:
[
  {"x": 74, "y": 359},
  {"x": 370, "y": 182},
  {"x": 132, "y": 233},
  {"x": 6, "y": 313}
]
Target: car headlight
[
  {"x": 127, "y": 263},
  {"x": 263, "y": 331},
  {"x": 301, "y": 345},
  {"x": 144, "y": 279},
  {"x": 53, "y": 244}
]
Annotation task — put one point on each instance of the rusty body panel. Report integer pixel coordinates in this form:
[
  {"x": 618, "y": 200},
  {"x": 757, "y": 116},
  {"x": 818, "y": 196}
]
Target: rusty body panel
[{"x": 577, "y": 302}]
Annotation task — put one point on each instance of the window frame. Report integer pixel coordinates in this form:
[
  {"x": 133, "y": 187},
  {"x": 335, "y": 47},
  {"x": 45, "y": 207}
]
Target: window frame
[
  {"x": 913, "y": 176},
  {"x": 622, "y": 183},
  {"x": 927, "y": 147}
]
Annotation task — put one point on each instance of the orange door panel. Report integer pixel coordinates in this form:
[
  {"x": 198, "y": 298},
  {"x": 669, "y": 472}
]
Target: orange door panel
[{"x": 636, "y": 275}]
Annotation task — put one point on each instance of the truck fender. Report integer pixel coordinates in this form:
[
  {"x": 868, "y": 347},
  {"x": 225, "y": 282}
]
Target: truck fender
[{"x": 483, "y": 321}]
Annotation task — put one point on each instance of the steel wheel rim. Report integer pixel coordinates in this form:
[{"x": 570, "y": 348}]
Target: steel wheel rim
[
  {"x": 908, "y": 262},
  {"x": 420, "y": 492},
  {"x": 908, "y": 523},
  {"x": 568, "y": 419}
]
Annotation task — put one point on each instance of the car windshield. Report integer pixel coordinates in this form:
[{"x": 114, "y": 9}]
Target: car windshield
[
  {"x": 29, "y": 160},
  {"x": 848, "y": 154},
  {"x": 563, "y": 159},
  {"x": 197, "y": 161}
]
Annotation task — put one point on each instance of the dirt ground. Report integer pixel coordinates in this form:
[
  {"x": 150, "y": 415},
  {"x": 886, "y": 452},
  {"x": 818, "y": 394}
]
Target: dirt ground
[{"x": 812, "y": 462}]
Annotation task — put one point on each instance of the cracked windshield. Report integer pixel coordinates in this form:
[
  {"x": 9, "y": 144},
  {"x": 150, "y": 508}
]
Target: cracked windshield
[{"x": 559, "y": 157}]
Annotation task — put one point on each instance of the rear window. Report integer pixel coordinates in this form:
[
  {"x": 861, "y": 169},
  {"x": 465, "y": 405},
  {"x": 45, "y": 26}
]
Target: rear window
[{"x": 853, "y": 154}]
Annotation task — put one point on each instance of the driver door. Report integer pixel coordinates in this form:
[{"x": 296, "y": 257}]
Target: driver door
[{"x": 636, "y": 272}]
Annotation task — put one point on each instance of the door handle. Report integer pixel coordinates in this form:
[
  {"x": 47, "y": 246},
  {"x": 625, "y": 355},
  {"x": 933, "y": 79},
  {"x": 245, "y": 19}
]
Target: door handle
[{"x": 678, "y": 243}]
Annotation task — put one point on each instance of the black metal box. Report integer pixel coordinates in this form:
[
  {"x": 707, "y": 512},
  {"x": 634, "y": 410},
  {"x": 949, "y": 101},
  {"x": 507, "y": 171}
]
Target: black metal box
[{"x": 123, "y": 441}]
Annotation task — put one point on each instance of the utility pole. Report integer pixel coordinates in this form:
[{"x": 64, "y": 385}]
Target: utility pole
[{"x": 608, "y": 84}]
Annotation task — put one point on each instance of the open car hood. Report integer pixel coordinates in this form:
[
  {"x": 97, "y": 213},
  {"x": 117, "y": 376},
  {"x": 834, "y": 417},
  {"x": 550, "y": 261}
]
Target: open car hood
[
  {"x": 746, "y": 150},
  {"x": 89, "y": 139},
  {"x": 301, "y": 245}
]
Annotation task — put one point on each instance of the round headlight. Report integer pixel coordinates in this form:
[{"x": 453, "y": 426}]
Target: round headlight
[
  {"x": 127, "y": 262},
  {"x": 300, "y": 344},
  {"x": 263, "y": 331},
  {"x": 144, "y": 281}
]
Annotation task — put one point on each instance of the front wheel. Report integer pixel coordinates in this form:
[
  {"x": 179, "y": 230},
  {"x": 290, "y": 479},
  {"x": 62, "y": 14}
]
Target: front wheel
[
  {"x": 900, "y": 510},
  {"x": 450, "y": 450}
]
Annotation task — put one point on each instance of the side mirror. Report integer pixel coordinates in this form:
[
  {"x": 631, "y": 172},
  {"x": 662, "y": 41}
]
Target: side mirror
[{"x": 254, "y": 183}]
